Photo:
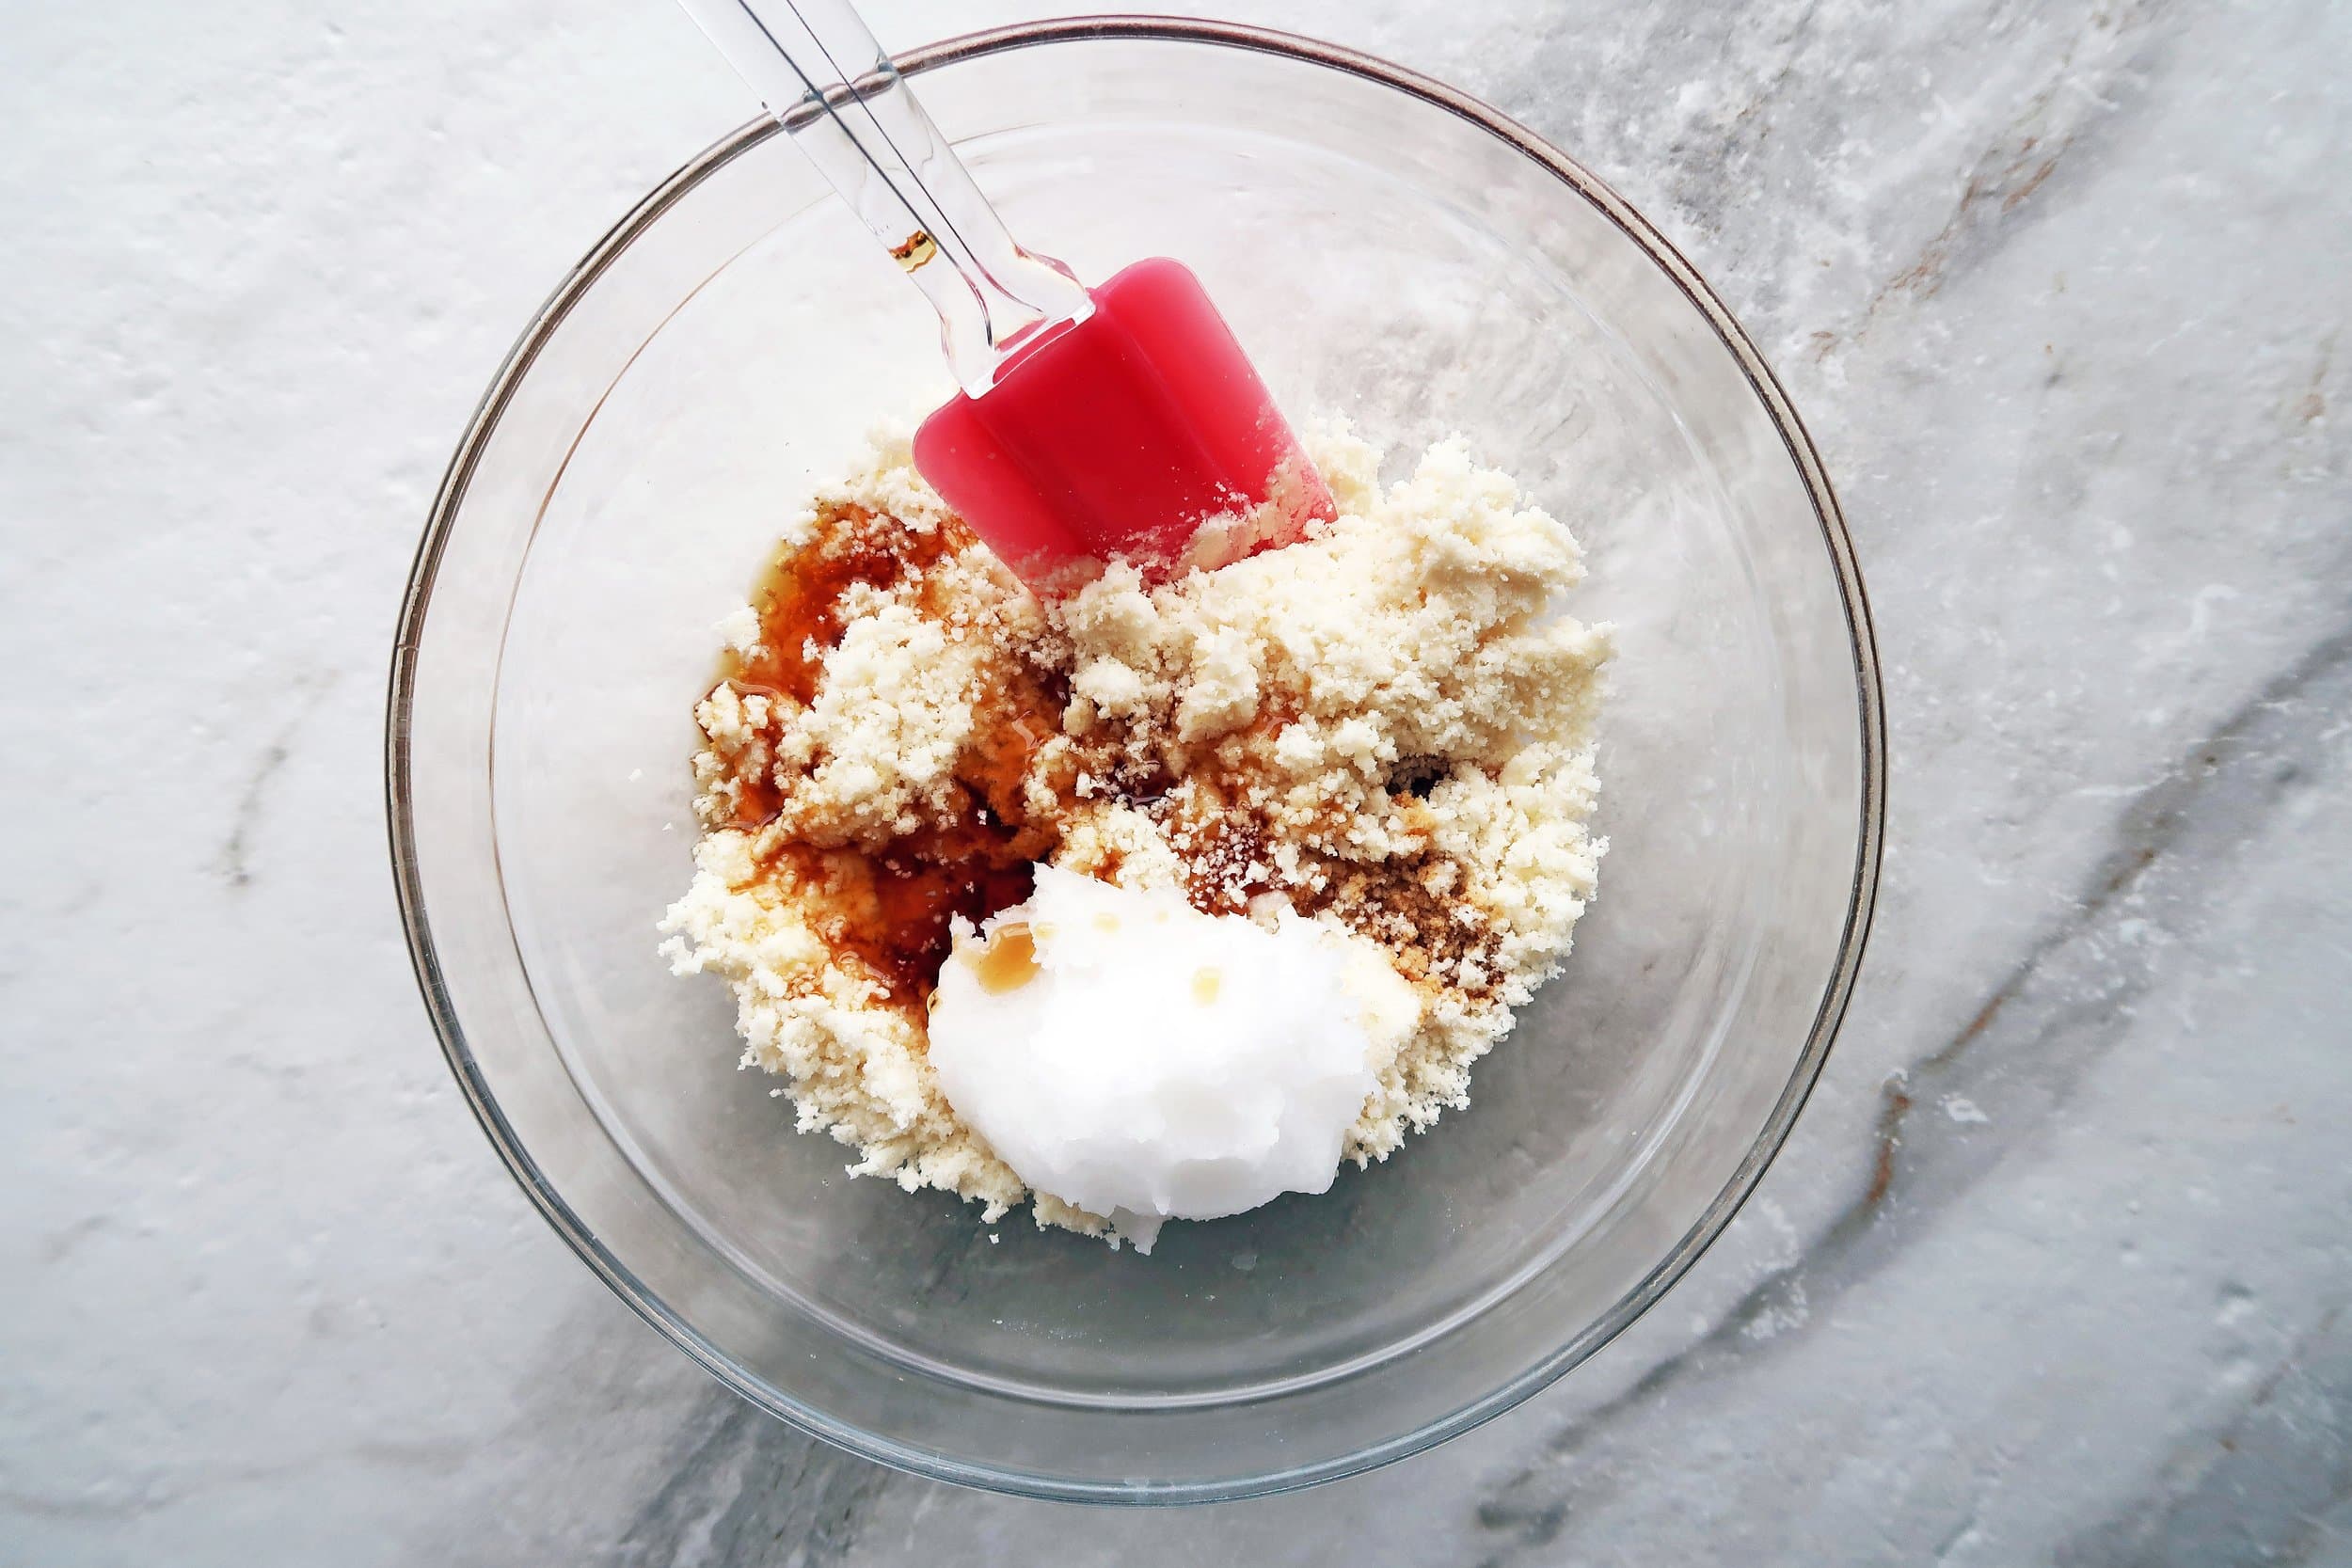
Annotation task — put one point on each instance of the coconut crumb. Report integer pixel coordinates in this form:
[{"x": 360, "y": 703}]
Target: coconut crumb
[{"x": 1387, "y": 726}]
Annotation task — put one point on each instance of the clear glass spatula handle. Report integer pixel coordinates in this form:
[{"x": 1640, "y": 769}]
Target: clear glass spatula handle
[{"x": 829, "y": 84}]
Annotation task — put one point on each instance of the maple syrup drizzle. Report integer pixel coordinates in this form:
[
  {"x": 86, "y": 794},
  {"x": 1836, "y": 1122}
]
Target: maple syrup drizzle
[
  {"x": 890, "y": 912},
  {"x": 1008, "y": 962}
]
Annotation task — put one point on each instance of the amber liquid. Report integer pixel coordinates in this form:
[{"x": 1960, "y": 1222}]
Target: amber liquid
[
  {"x": 890, "y": 910},
  {"x": 1009, "y": 960}
]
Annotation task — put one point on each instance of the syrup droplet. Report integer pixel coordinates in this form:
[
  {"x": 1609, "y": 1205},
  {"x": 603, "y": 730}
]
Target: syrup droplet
[{"x": 1008, "y": 962}]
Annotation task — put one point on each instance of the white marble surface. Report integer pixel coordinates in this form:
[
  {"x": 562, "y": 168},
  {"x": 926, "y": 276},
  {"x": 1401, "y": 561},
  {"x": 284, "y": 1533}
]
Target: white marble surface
[{"x": 2056, "y": 1267}]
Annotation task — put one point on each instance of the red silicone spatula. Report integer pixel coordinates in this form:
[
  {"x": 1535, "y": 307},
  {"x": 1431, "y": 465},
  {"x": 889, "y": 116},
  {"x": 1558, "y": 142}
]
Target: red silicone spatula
[{"x": 1093, "y": 424}]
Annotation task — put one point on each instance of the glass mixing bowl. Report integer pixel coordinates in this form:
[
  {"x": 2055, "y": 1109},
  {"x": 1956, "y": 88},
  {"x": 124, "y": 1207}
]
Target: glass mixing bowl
[{"x": 1389, "y": 251}]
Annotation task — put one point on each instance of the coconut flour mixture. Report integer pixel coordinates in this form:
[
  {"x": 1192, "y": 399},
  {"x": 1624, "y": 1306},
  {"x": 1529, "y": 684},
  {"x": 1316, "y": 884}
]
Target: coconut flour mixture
[{"x": 1384, "y": 730}]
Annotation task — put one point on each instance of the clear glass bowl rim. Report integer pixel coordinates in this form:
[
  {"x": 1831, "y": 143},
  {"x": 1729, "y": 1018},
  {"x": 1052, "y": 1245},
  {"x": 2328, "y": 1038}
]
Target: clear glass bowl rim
[{"x": 1837, "y": 990}]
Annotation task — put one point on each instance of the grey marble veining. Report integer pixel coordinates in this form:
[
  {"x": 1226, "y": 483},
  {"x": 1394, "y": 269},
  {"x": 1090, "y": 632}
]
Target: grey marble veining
[{"x": 2057, "y": 1266}]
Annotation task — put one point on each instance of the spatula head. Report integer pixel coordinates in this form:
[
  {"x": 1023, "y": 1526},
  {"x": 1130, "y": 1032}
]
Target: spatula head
[{"x": 1118, "y": 437}]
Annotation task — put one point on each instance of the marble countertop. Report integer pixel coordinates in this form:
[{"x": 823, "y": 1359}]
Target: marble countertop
[{"x": 2057, "y": 1266}]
